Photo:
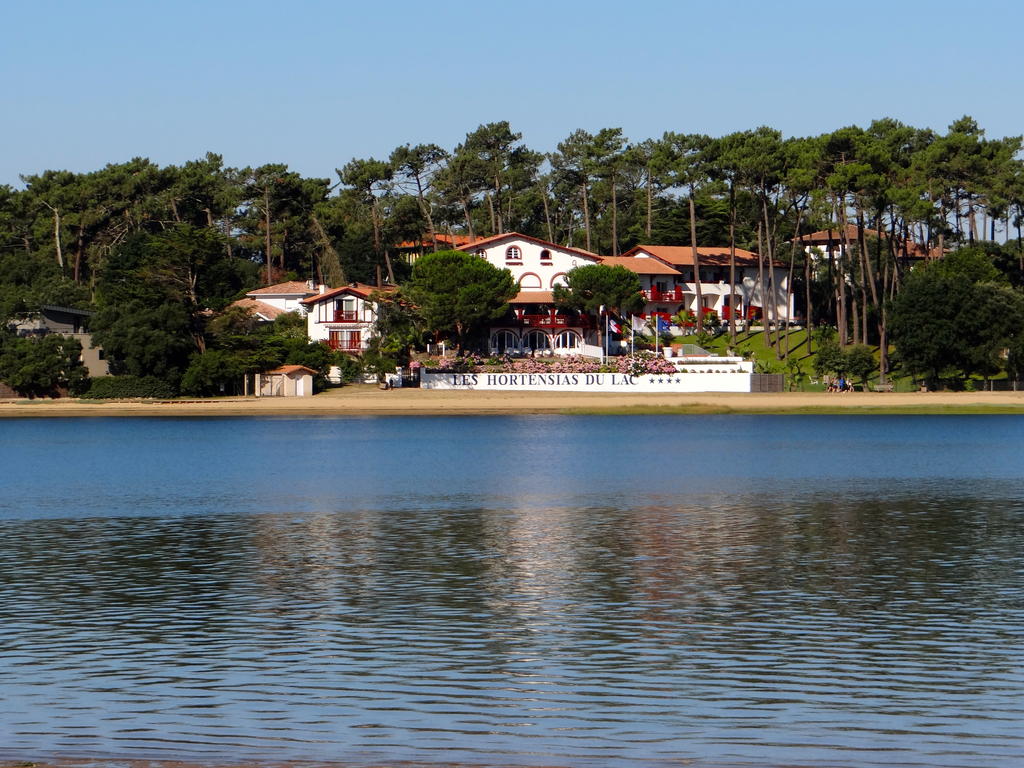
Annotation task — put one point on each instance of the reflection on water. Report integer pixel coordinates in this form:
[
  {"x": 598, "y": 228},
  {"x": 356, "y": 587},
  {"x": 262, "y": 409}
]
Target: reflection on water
[{"x": 523, "y": 591}]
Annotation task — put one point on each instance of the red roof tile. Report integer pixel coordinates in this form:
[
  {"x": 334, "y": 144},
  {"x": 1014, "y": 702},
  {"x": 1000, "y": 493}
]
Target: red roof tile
[
  {"x": 286, "y": 369},
  {"x": 682, "y": 255},
  {"x": 259, "y": 308},
  {"x": 293, "y": 287},
  {"x": 640, "y": 265},
  {"x": 835, "y": 236},
  {"x": 362, "y": 290},
  {"x": 516, "y": 236},
  {"x": 533, "y": 297}
]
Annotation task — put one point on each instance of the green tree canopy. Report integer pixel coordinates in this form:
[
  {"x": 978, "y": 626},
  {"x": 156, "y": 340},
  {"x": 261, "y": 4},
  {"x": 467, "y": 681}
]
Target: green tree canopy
[
  {"x": 592, "y": 286},
  {"x": 457, "y": 293},
  {"x": 42, "y": 367},
  {"x": 953, "y": 317}
]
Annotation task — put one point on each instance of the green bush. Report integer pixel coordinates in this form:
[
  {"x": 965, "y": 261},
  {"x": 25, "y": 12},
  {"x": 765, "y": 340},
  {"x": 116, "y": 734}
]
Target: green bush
[
  {"x": 123, "y": 387},
  {"x": 351, "y": 368}
]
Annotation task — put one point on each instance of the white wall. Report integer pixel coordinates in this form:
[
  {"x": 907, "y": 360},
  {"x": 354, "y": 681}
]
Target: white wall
[{"x": 530, "y": 265}]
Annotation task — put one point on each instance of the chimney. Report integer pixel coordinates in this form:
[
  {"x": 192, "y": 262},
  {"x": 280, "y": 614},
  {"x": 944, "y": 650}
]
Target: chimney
[{"x": 323, "y": 288}]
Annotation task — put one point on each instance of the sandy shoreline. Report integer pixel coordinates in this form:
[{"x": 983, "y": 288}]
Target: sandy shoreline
[{"x": 370, "y": 401}]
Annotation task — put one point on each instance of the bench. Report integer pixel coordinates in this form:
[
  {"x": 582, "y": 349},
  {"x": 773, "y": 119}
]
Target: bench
[{"x": 882, "y": 387}]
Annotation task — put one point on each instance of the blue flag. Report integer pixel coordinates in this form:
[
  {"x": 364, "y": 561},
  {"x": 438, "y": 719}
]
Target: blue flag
[{"x": 664, "y": 326}]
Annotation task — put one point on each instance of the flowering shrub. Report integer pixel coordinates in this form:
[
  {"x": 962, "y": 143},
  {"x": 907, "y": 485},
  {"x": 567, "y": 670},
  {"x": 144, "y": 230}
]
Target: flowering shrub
[
  {"x": 639, "y": 364},
  {"x": 569, "y": 364},
  {"x": 644, "y": 362},
  {"x": 459, "y": 364}
]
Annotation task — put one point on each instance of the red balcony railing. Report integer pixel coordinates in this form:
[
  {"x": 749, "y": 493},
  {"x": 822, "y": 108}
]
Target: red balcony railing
[
  {"x": 554, "y": 320},
  {"x": 672, "y": 294},
  {"x": 346, "y": 316},
  {"x": 344, "y": 346}
]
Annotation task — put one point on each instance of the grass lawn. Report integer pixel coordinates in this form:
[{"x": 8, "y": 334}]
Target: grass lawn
[{"x": 754, "y": 345}]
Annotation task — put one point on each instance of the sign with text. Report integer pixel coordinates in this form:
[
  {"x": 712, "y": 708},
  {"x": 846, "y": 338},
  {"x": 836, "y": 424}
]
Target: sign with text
[{"x": 590, "y": 382}]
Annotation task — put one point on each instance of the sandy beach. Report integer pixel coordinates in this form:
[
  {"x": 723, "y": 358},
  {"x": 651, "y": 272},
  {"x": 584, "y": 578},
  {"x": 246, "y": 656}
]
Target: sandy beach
[{"x": 365, "y": 400}]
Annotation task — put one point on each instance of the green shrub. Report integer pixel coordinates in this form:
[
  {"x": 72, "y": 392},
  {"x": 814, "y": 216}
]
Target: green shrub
[{"x": 123, "y": 387}]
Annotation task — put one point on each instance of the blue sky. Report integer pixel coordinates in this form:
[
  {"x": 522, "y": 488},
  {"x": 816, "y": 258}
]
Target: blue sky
[{"x": 314, "y": 84}]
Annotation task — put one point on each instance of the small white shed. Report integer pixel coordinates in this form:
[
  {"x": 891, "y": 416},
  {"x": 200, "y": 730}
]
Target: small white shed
[{"x": 286, "y": 381}]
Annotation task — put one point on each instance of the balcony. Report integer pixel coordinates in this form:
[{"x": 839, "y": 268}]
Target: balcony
[
  {"x": 345, "y": 316},
  {"x": 341, "y": 345},
  {"x": 672, "y": 294},
  {"x": 554, "y": 320}
]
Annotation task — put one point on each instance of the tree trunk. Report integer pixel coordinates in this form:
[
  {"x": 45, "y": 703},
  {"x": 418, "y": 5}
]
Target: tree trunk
[
  {"x": 547, "y": 215},
  {"x": 650, "y": 203},
  {"x": 425, "y": 209},
  {"x": 330, "y": 262},
  {"x": 769, "y": 285},
  {"x": 696, "y": 264},
  {"x": 56, "y": 236},
  {"x": 808, "y": 294},
  {"x": 79, "y": 252},
  {"x": 732, "y": 269},
  {"x": 266, "y": 214},
  {"x": 615, "y": 231},
  {"x": 760, "y": 279},
  {"x": 469, "y": 219},
  {"x": 586, "y": 214}
]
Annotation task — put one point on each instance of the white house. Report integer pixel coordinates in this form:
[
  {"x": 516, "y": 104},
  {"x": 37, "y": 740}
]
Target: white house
[
  {"x": 342, "y": 317},
  {"x": 832, "y": 243},
  {"x": 667, "y": 294},
  {"x": 535, "y": 324},
  {"x": 268, "y": 303}
]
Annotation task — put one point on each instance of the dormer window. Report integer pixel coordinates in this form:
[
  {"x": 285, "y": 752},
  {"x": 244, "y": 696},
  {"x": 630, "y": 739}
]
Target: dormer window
[
  {"x": 512, "y": 253},
  {"x": 545, "y": 256}
]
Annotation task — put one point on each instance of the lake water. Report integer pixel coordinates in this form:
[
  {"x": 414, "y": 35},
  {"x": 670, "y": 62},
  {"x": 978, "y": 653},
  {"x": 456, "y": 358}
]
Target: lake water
[{"x": 520, "y": 591}]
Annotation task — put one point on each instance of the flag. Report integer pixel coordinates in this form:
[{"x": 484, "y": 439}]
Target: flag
[
  {"x": 613, "y": 325},
  {"x": 639, "y": 325},
  {"x": 664, "y": 326}
]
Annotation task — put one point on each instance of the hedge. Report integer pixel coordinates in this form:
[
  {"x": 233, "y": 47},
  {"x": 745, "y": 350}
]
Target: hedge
[{"x": 123, "y": 387}]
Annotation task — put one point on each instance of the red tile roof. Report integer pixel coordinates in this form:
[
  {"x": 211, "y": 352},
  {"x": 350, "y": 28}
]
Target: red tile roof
[
  {"x": 287, "y": 369},
  {"x": 362, "y": 290},
  {"x": 442, "y": 238},
  {"x": 516, "y": 236},
  {"x": 682, "y": 255},
  {"x": 293, "y": 287},
  {"x": 640, "y": 265},
  {"x": 257, "y": 307},
  {"x": 824, "y": 236},
  {"x": 533, "y": 297}
]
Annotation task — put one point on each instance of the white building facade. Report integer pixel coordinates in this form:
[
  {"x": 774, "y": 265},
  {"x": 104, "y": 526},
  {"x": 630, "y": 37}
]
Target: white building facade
[
  {"x": 535, "y": 324},
  {"x": 343, "y": 318},
  {"x": 669, "y": 294}
]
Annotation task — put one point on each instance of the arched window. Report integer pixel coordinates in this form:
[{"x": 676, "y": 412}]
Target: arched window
[
  {"x": 530, "y": 282},
  {"x": 513, "y": 253},
  {"x": 504, "y": 341},
  {"x": 558, "y": 279},
  {"x": 537, "y": 340},
  {"x": 545, "y": 256},
  {"x": 567, "y": 340}
]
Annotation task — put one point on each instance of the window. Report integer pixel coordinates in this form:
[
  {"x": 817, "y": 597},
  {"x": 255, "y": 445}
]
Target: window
[
  {"x": 530, "y": 281},
  {"x": 504, "y": 341},
  {"x": 482, "y": 253},
  {"x": 512, "y": 253},
  {"x": 567, "y": 340},
  {"x": 537, "y": 341},
  {"x": 545, "y": 255}
]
